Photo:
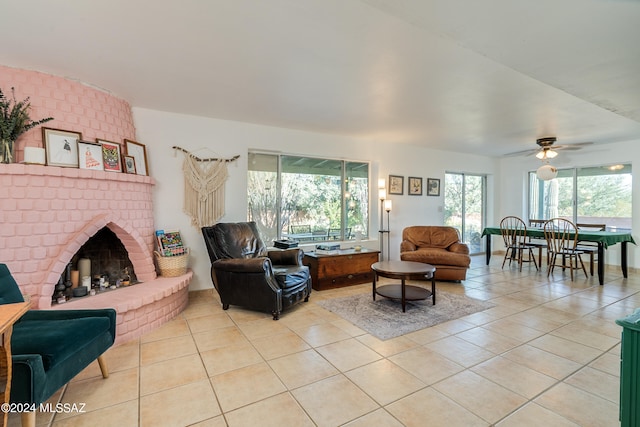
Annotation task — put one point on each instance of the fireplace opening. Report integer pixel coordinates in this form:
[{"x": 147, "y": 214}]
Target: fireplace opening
[{"x": 106, "y": 262}]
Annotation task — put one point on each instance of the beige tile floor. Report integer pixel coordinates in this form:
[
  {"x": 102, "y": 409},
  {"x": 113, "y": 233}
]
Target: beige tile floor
[{"x": 547, "y": 354}]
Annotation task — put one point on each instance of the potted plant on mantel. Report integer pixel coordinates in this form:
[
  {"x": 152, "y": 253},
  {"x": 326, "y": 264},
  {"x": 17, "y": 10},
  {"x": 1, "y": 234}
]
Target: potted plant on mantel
[{"x": 14, "y": 121}]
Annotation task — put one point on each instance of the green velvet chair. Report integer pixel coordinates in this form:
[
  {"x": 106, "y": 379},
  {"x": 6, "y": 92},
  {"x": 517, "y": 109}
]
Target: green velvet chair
[{"x": 50, "y": 347}]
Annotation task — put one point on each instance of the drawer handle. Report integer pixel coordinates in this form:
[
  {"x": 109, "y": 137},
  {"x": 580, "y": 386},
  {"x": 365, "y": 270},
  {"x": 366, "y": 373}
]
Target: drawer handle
[
  {"x": 350, "y": 256},
  {"x": 350, "y": 276}
]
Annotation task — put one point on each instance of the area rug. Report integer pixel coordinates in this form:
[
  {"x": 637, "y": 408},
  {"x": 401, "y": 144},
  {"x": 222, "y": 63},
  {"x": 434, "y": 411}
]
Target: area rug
[{"x": 384, "y": 318}]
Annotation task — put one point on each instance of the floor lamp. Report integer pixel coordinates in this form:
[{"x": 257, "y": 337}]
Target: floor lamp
[{"x": 385, "y": 205}]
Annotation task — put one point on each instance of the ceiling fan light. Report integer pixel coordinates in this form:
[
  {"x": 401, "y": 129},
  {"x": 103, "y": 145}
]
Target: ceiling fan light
[
  {"x": 547, "y": 172},
  {"x": 546, "y": 154}
]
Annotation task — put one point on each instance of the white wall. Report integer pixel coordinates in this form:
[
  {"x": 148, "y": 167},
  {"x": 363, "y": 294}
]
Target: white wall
[
  {"x": 512, "y": 188},
  {"x": 159, "y": 131}
]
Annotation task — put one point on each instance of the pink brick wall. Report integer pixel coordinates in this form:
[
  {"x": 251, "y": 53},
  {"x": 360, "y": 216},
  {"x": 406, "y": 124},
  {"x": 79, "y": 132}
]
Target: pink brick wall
[
  {"x": 73, "y": 105},
  {"x": 47, "y": 213}
]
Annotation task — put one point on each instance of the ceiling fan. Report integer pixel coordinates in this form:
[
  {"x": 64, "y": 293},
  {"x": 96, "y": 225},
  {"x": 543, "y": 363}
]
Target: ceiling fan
[{"x": 547, "y": 148}]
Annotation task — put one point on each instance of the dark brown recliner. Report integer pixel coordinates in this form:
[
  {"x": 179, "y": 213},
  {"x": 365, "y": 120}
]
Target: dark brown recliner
[{"x": 244, "y": 273}]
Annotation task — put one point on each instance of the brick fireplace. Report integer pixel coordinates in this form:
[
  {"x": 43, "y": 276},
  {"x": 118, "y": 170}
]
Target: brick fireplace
[{"x": 47, "y": 213}]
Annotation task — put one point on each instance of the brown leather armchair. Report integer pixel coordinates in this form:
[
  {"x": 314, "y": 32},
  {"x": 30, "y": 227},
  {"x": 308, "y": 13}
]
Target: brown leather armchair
[
  {"x": 244, "y": 273},
  {"x": 439, "y": 246}
]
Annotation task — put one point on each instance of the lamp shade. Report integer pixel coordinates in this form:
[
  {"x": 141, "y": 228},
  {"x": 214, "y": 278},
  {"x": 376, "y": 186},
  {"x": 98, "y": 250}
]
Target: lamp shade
[
  {"x": 547, "y": 172},
  {"x": 382, "y": 193},
  {"x": 388, "y": 205}
]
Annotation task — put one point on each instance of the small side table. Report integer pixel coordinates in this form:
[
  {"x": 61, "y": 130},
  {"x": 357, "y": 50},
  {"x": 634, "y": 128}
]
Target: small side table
[
  {"x": 9, "y": 314},
  {"x": 404, "y": 270}
]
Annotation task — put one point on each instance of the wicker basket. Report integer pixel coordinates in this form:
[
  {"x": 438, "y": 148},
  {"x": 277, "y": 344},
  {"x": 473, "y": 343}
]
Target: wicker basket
[{"x": 172, "y": 266}]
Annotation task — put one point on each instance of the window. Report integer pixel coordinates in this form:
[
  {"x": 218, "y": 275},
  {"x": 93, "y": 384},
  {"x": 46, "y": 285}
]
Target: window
[
  {"x": 600, "y": 194},
  {"x": 464, "y": 206},
  {"x": 308, "y": 199}
]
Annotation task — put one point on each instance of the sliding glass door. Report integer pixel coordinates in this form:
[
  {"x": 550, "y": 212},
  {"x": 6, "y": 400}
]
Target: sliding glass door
[{"x": 464, "y": 207}]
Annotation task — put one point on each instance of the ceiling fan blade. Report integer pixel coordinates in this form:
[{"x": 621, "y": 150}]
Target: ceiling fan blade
[
  {"x": 521, "y": 153},
  {"x": 576, "y": 146},
  {"x": 551, "y": 146}
]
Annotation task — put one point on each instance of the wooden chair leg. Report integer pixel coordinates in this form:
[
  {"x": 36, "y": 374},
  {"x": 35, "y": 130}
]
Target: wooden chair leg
[
  {"x": 103, "y": 366},
  {"x": 520, "y": 258},
  {"x": 571, "y": 266},
  {"x": 533, "y": 257},
  {"x": 28, "y": 419},
  {"x": 582, "y": 264},
  {"x": 505, "y": 257}
]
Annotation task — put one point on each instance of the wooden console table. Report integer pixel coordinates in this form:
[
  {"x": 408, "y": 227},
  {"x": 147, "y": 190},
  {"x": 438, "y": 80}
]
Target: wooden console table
[
  {"x": 347, "y": 267},
  {"x": 9, "y": 314}
]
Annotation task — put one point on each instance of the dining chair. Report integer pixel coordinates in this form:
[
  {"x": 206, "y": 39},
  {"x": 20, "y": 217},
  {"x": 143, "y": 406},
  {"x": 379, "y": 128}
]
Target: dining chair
[
  {"x": 559, "y": 232},
  {"x": 514, "y": 233},
  {"x": 590, "y": 248}
]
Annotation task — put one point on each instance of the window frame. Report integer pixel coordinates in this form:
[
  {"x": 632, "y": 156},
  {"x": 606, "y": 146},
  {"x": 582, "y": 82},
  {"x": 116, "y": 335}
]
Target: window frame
[
  {"x": 344, "y": 235},
  {"x": 575, "y": 175}
]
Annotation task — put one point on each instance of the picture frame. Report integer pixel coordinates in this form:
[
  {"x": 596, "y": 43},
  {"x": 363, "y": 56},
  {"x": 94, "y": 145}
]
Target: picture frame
[
  {"x": 129, "y": 164},
  {"x": 415, "y": 186},
  {"x": 61, "y": 147},
  {"x": 139, "y": 153},
  {"x": 396, "y": 184},
  {"x": 90, "y": 156},
  {"x": 433, "y": 187},
  {"x": 111, "y": 155}
]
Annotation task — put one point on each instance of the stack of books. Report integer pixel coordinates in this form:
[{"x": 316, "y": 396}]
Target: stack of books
[
  {"x": 285, "y": 244},
  {"x": 328, "y": 249},
  {"x": 170, "y": 243}
]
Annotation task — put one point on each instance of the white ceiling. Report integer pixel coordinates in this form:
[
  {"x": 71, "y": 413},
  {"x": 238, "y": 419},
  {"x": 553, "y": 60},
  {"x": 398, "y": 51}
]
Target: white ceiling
[{"x": 486, "y": 77}]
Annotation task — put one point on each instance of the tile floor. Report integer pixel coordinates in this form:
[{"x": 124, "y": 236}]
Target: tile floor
[{"x": 546, "y": 354}]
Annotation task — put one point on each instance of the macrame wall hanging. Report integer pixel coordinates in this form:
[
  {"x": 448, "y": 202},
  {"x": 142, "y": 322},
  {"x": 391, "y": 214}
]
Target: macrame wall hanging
[{"x": 204, "y": 187}]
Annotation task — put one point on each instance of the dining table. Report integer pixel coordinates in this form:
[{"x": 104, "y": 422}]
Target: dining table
[{"x": 603, "y": 239}]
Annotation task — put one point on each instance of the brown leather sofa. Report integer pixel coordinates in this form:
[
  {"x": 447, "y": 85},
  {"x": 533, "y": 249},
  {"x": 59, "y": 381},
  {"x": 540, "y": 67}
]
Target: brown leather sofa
[{"x": 439, "y": 246}]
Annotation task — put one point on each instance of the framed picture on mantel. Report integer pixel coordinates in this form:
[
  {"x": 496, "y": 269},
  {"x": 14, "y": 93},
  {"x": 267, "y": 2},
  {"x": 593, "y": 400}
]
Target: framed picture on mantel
[
  {"x": 139, "y": 153},
  {"x": 111, "y": 155},
  {"x": 90, "y": 156},
  {"x": 129, "y": 164},
  {"x": 61, "y": 147}
]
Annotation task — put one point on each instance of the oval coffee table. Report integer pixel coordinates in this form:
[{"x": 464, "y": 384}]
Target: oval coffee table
[{"x": 404, "y": 270}]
